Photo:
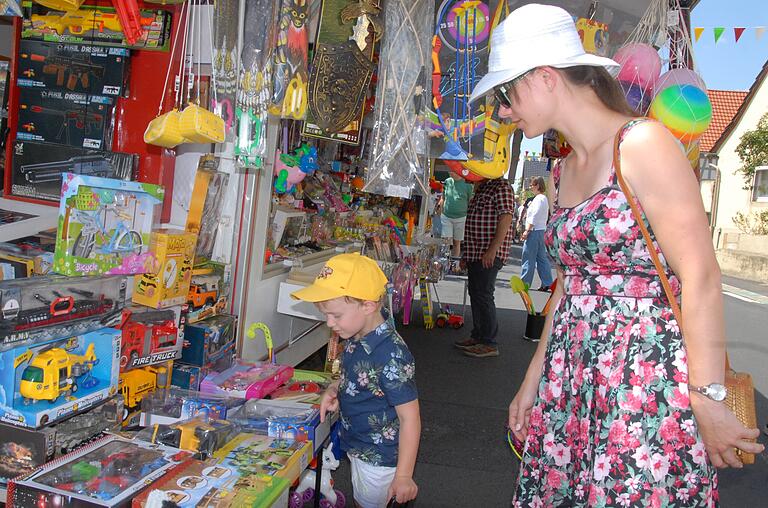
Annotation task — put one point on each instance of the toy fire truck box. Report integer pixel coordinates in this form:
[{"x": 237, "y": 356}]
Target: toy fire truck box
[
  {"x": 95, "y": 25},
  {"x": 280, "y": 419},
  {"x": 38, "y": 168},
  {"x": 84, "y": 68},
  {"x": 39, "y": 309},
  {"x": 65, "y": 118},
  {"x": 247, "y": 380},
  {"x": 253, "y": 453},
  {"x": 48, "y": 382},
  {"x": 175, "y": 405},
  {"x": 106, "y": 473},
  {"x": 151, "y": 336},
  {"x": 105, "y": 226},
  {"x": 169, "y": 284},
  {"x": 207, "y": 341},
  {"x": 208, "y": 292},
  {"x": 138, "y": 383},
  {"x": 202, "y": 483},
  {"x": 24, "y": 450},
  {"x": 189, "y": 377}
]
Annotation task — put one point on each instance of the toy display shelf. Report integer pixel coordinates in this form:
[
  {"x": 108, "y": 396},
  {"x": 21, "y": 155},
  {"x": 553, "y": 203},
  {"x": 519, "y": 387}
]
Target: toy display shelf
[{"x": 42, "y": 218}]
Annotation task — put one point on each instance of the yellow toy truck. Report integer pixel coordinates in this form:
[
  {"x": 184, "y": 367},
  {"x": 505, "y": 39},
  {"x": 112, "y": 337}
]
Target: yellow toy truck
[
  {"x": 137, "y": 383},
  {"x": 55, "y": 372}
]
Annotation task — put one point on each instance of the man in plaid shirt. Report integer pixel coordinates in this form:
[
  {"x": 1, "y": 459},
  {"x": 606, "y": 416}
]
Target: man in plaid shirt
[{"x": 486, "y": 246}]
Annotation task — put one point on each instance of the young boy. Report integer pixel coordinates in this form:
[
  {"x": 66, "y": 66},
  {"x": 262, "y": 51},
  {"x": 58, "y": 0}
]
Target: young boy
[{"x": 380, "y": 421}]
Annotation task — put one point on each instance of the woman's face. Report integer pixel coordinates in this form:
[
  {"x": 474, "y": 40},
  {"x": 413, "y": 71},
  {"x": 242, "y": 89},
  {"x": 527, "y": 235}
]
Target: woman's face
[{"x": 530, "y": 105}]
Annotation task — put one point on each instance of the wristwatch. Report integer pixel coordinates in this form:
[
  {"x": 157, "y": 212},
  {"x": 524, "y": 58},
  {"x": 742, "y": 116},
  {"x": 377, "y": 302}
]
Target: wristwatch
[{"x": 714, "y": 391}]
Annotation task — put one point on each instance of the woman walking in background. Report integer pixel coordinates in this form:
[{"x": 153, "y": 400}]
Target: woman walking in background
[{"x": 535, "y": 255}]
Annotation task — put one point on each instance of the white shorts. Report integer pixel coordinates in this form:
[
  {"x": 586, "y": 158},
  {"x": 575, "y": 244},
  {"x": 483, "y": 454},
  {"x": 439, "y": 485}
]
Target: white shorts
[
  {"x": 453, "y": 228},
  {"x": 370, "y": 483}
]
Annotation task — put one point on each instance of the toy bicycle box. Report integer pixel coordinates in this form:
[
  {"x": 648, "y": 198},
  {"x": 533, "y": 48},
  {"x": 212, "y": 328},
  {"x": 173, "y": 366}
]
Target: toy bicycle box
[
  {"x": 247, "y": 380},
  {"x": 42, "y": 308},
  {"x": 65, "y": 118},
  {"x": 95, "y": 25},
  {"x": 208, "y": 483},
  {"x": 106, "y": 473},
  {"x": 48, "y": 382},
  {"x": 105, "y": 226},
  {"x": 169, "y": 284},
  {"x": 151, "y": 336},
  {"x": 207, "y": 341},
  {"x": 83, "y": 68},
  {"x": 37, "y": 168}
]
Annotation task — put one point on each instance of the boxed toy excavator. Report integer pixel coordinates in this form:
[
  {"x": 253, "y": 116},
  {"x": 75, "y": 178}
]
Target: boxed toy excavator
[
  {"x": 39, "y": 309},
  {"x": 47, "y": 382},
  {"x": 169, "y": 284}
]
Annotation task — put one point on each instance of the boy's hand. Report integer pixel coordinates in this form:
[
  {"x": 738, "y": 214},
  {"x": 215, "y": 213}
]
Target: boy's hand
[
  {"x": 329, "y": 402},
  {"x": 403, "y": 489}
]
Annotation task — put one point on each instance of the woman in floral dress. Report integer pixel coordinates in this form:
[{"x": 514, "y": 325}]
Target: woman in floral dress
[{"x": 605, "y": 407}]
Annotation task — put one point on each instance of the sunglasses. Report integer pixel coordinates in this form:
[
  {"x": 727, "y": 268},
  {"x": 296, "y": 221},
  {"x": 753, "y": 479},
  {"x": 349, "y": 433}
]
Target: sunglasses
[{"x": 503, "y": 92}]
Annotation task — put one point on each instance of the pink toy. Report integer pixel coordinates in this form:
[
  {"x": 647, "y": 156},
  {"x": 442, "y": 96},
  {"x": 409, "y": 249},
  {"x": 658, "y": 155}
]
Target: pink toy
[
  {"x": 293, "y": 174},
  {"x": 678, "y": 77},
  {"x": 640, "y": 64},
  {"x": 247, "y": 380}
]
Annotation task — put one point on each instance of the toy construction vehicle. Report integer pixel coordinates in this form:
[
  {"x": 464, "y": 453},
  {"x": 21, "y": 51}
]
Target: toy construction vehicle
[
  {"x": 203, "y": 291},
  {"x": 54, "y": 372},
  {"x": 448, "y": 318},
  {"x": 200, "y": 435},
  {"x": 137, "y": 383}
]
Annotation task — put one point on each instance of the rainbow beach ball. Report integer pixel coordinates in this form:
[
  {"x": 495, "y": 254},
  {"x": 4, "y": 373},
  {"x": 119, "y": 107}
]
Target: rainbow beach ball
[{"x": 684, "y": 109}]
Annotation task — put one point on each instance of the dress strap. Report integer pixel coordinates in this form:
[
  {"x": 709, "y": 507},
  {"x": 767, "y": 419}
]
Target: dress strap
[
  {"x": 556, "y": 179},
  {"x": 612, "y": 181}
]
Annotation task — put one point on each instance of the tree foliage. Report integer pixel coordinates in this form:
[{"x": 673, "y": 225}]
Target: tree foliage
[{"x": 753, "y": 150}]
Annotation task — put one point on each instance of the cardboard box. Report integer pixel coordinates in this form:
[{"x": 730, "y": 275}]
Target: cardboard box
[
  {"x": 246, "y": 380},
  {"x": 46, "y": 383},
  {"x": 38, "y": 168},
  {"x": 175, "y": 405},
  {"x": 138, "y": 383},
  {"x": 206, "y": 205},
  {"x": 208, "y": 291},
  {"x": 66, "y": 118},
  {"x": 24, "y": 260},
  {"x": 207, "y": 341},
  {"x": 255, "y": 453},
  {"x": 151, "y": 337},
  {"x": 24, "y": 450},
  {"x": 83, "y": 68},
  {"x": 169, "y": 284},
  {"x": 189, "y": 377}
]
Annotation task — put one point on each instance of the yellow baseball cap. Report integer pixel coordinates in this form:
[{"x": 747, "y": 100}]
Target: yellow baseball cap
[{"x": 350, "y": 275}]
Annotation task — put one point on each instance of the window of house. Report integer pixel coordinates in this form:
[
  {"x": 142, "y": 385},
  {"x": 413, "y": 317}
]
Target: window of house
[{"x": 760, "y": 187}]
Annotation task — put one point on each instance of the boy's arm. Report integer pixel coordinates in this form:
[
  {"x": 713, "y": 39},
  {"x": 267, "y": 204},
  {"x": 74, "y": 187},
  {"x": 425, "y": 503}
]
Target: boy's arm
[
  {"x": 330, "y": 401},
  {"x": 403, "y": 487}
]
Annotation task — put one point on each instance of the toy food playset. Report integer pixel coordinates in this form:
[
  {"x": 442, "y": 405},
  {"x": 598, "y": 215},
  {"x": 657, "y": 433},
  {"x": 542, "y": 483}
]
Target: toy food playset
[
  {"x": 197, "y": 483},
  {"x": 106, "y": 473},
  {"x": 206, "y": 297},
  {"x": 189, "y": 377},
  {"x": 175, "y": 405},
  {"x": 65, "y": 118},
  {"x": 247, "y": 380},
  {"x": 258, "y": 454},
  {"x": 105, "y": 225},
  {"x": 47, "y": 382},
  {"x": 82, "y": 68},
  {"x": 96, "y": 25},
  {"x": 38, "y": 168},
  {"x": 150, "y": 336},
  {"x": 207, "y": 341},
  {"x": 169, "y": 284},
  {"x": 47, "y": 307}
]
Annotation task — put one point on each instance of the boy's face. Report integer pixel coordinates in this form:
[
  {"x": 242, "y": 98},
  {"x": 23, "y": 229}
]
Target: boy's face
[{"x": 346, "y": 317}]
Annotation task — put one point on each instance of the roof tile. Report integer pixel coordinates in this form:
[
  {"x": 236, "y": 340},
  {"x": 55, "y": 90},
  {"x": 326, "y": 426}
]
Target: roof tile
[{"x": 725, "y": 105}]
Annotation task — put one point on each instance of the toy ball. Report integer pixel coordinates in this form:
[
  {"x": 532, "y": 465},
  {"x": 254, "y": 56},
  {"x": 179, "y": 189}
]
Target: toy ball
[
  {"x": 640, "y": 64},
  {"x": 684, "y": 109},
  {"x": 637, "y": 98},
  {"x": 358, "y": 183},
  {"x": 678, "y": 77}
]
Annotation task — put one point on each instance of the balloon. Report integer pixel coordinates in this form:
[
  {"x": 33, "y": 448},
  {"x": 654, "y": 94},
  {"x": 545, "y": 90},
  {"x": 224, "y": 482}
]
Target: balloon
[
  {"x": 637, "y": 98},
  {"x": 684, "y": 109},
  {"x": 678, "y": 77},
  {"x": 640, "y": 64},
  {"x": 358, "y": 183}
]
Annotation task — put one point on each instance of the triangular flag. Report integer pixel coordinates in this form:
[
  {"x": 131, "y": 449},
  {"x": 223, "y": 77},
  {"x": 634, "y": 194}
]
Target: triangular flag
[
  {"x": 718, "y": 33},
  {"x": 737, "y": 31},
  {"x": 759, "y": 31},
  {"x": 697, "y": 31}
]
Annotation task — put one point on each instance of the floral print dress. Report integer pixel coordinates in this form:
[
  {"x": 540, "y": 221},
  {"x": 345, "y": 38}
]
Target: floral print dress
[{"x": 612, "y": 423}]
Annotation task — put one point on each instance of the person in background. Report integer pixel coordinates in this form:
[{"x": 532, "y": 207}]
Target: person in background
[
  {"x": 535, "y": 255},
  {"x": 456, "y": 195},
  {"x": 485, "y": 249},
  {"x": 376, "y": 393}
]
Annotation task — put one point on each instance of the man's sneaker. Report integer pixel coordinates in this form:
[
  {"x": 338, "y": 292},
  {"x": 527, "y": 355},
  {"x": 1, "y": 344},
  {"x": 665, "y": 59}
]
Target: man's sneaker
[
  {"x": 481, "y": 351},
  {"x": 464, "y": 344}
]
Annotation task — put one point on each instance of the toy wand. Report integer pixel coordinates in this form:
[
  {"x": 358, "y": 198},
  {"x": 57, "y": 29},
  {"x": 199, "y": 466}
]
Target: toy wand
[{"x": 267, "y": 338}]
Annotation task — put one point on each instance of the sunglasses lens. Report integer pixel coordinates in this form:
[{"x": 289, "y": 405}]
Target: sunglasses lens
[{"x": 502, "y": 97}]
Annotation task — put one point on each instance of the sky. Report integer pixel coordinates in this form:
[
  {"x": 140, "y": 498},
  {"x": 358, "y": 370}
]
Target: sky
[{"x": 725, "y": 65}]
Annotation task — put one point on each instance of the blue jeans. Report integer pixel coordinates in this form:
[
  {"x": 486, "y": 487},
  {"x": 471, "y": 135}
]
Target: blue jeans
[
  {"x": 481, "y": 283},
  {"x": 535, "y": 257}
]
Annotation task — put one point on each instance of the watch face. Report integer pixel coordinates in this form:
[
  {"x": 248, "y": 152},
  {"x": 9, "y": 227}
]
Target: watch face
[{"x": 716, "y": 392}]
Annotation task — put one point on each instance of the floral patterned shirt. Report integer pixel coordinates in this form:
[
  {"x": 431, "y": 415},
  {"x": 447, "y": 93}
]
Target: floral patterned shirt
[{"x": 377, "y": 374}]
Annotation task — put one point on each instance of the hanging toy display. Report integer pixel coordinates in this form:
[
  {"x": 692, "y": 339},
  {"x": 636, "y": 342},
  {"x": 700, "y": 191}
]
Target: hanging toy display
[
  {"x": 292, "y": 169},
  {"x": 679, "y": 76},
  {"x": 224, "y": 70},
  {"x": 291, "y": 74},
  {"x": 684, "y": 109}
]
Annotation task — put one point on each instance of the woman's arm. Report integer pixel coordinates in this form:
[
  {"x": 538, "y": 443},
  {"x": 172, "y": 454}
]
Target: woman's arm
[{"x": 659, "y": 174}]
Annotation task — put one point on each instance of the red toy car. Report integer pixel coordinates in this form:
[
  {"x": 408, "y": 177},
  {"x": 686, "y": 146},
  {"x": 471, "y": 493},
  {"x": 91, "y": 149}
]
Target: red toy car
[{"x": 447, "y": 318}]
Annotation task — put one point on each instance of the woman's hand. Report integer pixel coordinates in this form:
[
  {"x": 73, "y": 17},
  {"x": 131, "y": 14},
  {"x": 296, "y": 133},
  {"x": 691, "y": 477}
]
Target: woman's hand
[
  {"x": 520, "y": 409},
  {"x": 721, "y": 432}
]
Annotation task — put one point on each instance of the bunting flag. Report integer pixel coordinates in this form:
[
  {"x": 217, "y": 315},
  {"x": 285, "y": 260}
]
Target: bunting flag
[
  {"x": 759, "y": 31},
  {"x": 737, "y": 31},
  {"x": 719, "y": 33},
  {"x": 697, "y": 31}
]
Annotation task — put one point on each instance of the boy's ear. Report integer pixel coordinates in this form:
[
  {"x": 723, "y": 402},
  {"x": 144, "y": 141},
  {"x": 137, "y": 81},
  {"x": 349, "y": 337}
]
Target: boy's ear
[{"x": 369, "y": 307}]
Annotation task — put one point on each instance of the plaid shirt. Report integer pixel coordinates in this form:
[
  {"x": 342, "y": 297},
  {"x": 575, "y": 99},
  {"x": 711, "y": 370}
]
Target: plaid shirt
[{"x": 492, "y": 199}]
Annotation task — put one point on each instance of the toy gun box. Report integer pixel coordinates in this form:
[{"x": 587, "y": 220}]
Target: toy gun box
[
  {"x": 106, "y": 473},
  {"x": 37, "y": 168},
  {"x": 84, "y": 68},
  {"x": 42, "y": 308},
  {"x": 95, "y": 25},
  {"x": 66, "y": 118}
]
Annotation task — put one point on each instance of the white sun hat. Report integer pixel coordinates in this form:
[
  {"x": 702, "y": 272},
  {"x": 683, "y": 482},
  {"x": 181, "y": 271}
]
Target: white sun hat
[{"x": 533, "y": 36}]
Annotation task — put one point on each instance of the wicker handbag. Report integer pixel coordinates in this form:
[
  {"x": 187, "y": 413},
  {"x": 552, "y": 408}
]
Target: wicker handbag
[{"x": 741, "y": 390}]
